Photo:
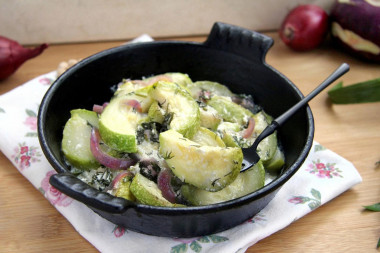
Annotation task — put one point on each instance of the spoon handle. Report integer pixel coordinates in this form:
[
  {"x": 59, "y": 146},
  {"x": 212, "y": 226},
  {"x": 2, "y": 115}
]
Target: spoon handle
[
  {"x": 254, "y": 157},
  {"x": 286, "y": 115},
  {"x": 334, "y": 76}
]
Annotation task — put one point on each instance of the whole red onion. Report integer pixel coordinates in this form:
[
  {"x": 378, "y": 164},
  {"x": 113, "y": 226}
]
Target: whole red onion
[
  {"x": 305, "y": 27},
  {"x": 13, "y": 55}
]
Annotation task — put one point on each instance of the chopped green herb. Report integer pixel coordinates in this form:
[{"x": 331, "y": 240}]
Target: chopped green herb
[
  {"x": 148, "y": 131},
  {"x": 214, "y": 182},
  {"x": 167, "y": 120},
  {"x": 168, "y": 155},
  {"x": 161, "y": 104}
]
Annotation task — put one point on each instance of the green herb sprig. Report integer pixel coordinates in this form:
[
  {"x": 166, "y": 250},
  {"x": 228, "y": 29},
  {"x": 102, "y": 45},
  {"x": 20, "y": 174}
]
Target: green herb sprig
[
  {"x": 374, "y": 208},
  {"x": 363, "y": 92}
]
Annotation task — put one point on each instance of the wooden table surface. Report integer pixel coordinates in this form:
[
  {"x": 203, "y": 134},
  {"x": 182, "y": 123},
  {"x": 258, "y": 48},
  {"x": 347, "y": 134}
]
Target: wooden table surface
[{"x": 28, "y": 223}]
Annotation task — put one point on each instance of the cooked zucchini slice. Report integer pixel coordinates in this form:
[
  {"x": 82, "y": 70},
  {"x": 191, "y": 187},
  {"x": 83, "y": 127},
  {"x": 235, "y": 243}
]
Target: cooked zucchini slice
[
  {"x": 180, "y": 78},
  {"x": 197, "y": 89},
  {"x": 174, "y": 99},
  {"x": 156, "y": 113},
  {"x": 122, "y": 189},
  {"x": 76, "y": 143},
  {"x": 127, "y": 87},
  {"x": 90, "y": 116},
  {"x": 175, "y": 77},
  {"x": 276, "y": 162},
  {"x": 119, "y": 120},
  {"x": 209, "y": 117},
  {"x": 206, "y": 137},
  {"x": 229, "y": 132},
  {"x": 229, "y": 110},
  {"x": 245, "y": 183},
  {"x": 147, "y": 192},
  {"x": 268, "y": 146},
  {"x": 207, "y": 167},
  {"x": 232, "y": 135}
]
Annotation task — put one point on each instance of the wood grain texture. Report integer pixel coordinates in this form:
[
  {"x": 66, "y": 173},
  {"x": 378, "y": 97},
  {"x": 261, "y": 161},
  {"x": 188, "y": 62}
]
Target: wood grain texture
[{"x": 28, "y": 223}]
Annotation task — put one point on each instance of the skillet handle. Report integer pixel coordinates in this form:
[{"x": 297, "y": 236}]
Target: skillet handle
[
  {"x": 75, "y": 188},
  {"x": 246, "y": 43}
]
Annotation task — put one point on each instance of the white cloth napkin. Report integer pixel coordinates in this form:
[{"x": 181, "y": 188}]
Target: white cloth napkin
[{"x": 322, "y": 177}]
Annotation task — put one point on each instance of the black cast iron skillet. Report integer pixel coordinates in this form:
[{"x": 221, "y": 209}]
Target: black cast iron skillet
[{"x": 231, "y": 55}]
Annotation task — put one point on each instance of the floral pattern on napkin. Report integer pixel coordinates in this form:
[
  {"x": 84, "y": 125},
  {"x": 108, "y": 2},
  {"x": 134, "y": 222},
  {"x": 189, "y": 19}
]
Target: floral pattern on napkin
[
  {"x": 324, "y": 169},
  {"x": 195, "y": 245},
  {"x": 313, "y": 202},
  {"x": 322, "y": 177},
  {"x": 25, "y": 155},
  {"x": 55, "y": 197}
]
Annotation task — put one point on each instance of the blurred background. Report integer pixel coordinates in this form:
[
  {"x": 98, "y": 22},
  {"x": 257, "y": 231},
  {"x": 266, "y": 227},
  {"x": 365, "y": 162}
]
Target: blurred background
[{"x": 57, "y": 21}]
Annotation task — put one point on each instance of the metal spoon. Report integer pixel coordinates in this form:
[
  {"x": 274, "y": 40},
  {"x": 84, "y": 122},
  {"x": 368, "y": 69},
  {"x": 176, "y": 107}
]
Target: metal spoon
[{"x": 250, "y": 154}]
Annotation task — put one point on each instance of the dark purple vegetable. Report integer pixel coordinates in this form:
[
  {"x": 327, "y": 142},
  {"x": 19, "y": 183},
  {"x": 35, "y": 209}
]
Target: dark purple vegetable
[
  {"x": 305, "y": 27},
  {"x": 356, "y": 27},
  {"x": 13, "y": 55},
  {"x": 106, "y": 159}
]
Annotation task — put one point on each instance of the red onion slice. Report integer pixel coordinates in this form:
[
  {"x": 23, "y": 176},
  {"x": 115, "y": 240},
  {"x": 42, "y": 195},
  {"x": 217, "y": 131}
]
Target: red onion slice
[
  {"x": 99, "y": 108},
  {"x": 120, "y": 177},
  {"x": 104, "y": 158},
  {"x": 134, "y": 104},
  {"x": 251, "y": 126},
  {"x": 163, "y": 182}
]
